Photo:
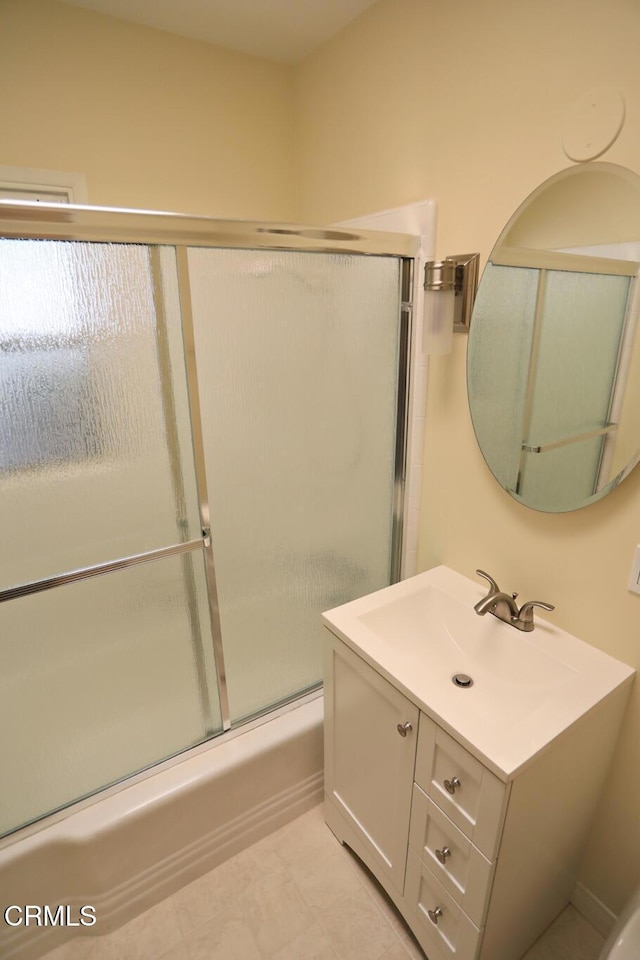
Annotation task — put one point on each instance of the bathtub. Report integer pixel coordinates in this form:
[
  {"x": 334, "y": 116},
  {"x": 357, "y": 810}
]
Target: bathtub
[{"x": 134, "y": 844}]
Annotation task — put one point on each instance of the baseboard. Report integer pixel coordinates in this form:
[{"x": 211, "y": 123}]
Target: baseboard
[
  {"x": 593, "y": 910},
  {"x": 208, "y": 852}
]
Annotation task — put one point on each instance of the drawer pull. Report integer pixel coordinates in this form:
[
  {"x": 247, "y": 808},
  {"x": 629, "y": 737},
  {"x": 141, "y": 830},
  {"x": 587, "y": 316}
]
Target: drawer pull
[
  {"x": 404, "y": 728},
  {"x": 452, "y": 785},
  {"x": 443, "y": 854},
  {"x": 434, "y": 915}
]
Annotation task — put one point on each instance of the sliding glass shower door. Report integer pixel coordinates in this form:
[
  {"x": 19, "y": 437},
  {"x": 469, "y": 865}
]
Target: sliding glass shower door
[
  {"x": 201, "y": 448},
  {"x": 104, "y": 668},
  {"x": 298, "y": 358}
]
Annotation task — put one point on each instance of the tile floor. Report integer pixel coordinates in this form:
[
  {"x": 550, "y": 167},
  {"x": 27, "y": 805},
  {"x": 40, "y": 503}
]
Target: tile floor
[{"x": 296, "y": 895}]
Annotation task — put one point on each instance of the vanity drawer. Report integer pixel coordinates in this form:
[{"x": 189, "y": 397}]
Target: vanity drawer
[
  {"x": 460, "y": 867},
  {"x": 469, "y": 794},
  {"x": 444, "y": 930}
]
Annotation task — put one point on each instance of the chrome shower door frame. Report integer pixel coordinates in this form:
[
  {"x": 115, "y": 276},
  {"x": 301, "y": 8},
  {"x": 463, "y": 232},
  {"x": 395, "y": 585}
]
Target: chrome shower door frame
[{"x": 27, "y": 220}]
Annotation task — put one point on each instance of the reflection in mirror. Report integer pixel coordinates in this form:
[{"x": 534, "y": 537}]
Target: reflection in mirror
[{"x": 553, "y": 365}]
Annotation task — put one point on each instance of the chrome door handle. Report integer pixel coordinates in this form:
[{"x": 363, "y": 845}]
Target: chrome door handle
[
  {"x": 404, "y": 728},
  {"x": 452, "y": 785},
  {"x": 443, "y": 854},
  {"x": 434, "y": 915}
]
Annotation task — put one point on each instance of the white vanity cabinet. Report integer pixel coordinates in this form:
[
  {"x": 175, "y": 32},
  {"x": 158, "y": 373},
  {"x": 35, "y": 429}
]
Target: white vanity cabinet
[{"x": 478, "y": 863}]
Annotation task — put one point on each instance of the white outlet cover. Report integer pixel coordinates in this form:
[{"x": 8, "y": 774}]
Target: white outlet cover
[{"x": 634, "y": 576}]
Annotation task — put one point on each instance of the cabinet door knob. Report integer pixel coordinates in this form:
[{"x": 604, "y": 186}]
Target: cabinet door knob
[
  {"x": 404, "y": 728},
  {"x": 452, "y": 785},
  {"x": 443, "y": 854},
  {"x": 434, "y": 915}
]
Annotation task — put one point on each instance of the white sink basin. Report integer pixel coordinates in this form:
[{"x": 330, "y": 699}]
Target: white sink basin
[
  {"x": 527, "y": 687},
  {"x": 510, "y": 671}
]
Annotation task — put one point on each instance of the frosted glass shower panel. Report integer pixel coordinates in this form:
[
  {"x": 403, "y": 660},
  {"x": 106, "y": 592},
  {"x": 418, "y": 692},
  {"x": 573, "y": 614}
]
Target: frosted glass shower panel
[
  {"x": 93, "y": 399},
  {"x": 298, "y": 368},
  {"x": 100, "y": 679}
]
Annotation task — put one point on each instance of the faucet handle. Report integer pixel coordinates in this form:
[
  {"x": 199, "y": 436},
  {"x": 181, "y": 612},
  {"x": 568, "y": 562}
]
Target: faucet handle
[
  {"x": 526, "y": 610},
  {"x": 493, "y": 586}
]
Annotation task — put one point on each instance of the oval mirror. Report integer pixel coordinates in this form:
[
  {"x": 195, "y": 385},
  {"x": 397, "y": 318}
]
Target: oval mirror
[{"x": 553, "y": 362}]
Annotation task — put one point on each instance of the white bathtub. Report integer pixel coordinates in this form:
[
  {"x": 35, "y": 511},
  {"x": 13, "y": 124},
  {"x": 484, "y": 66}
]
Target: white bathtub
[{"x": 138, "y": 842}]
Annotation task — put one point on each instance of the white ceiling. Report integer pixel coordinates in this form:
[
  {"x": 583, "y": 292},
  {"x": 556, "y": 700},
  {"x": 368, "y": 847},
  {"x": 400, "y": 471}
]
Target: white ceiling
[{"x": 283, "y": 30}]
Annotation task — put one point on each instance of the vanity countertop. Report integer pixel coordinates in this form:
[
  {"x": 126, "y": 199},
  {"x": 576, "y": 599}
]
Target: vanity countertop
[{"x": 528, "y": 688}]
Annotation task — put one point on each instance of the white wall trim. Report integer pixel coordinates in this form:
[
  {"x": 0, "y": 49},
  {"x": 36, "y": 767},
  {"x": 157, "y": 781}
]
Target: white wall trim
[
  {"x": 56, "y": 186},
  {"x": 418, "y": 220},
  {"x": 593, "y": 910}
]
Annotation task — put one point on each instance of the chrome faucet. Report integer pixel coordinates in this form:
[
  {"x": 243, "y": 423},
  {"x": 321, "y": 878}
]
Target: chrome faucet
[{"x": 504, "y": 606}]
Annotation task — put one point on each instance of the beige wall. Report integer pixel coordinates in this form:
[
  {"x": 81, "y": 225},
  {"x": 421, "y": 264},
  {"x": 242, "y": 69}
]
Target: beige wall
[
  {"x": 464, "y": 101},
  {"x": 152, "y": 120},
  {"x": 460, "y": 101}
]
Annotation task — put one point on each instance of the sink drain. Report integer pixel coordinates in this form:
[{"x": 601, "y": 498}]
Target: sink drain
[{"x": 462, "y": 680}]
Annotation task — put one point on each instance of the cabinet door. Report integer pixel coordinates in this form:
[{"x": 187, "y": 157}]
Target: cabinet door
[{"x": 369, "y": 761}]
